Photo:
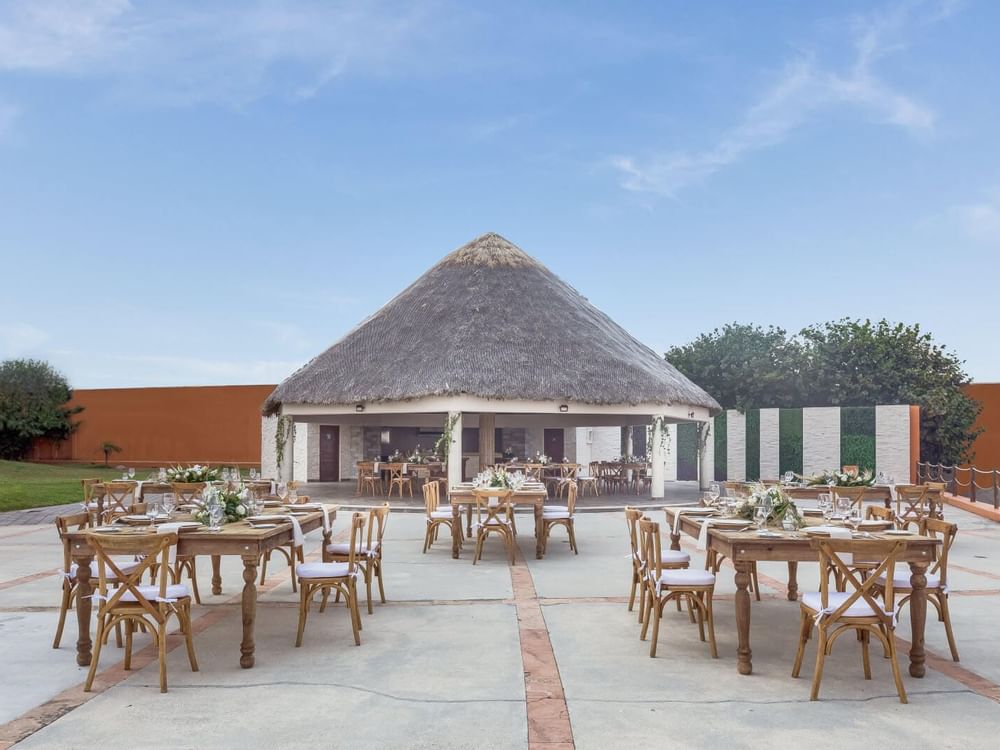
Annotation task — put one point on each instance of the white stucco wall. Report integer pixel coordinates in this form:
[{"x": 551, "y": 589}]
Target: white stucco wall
[
  {"x": 268, "y": 459},
  {"x": 352, "y": 450},
  {"x": 892, "y": 442},
  {"x": 736, "y": 446},
  {"x": 769, "y": 461},
  {"x": 306, "y": 453},
  {"x": 820, "y": 439}
]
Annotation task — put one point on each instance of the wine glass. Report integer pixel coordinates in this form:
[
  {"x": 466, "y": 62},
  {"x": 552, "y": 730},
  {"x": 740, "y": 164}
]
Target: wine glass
[
  {"x": 162, "y": 475},
  {"x": 131, "y": 472},
  {"x": 168, "y": 502},
  {"x": 760, "y": 516},
  {"x": 153, "y": 508},
  {"x": 253, "y": 473},
  {"x": 714, "y": 492},
  {"x": 826, "y": 505},
  {"x": 854, "y": 517},
  {"x": 282, "y": 491}
]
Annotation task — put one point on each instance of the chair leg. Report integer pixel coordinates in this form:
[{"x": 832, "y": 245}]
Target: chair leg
[
  {"x": 266, "y": 558},
  {"x": 479, "y": 547},
  {"x": 756, "y": 583},
  {"x": 820, "y": 657},
  {"x": 644, "y": 612},
  {"x": 694, "y": 602},
  {"x": 96, "y": 657},
  {"x": 631, "y": 593},
  {"x": 368, "y": 585},
  {"x": 572, "y": 537},
  {"x": 304, "y": 596},
  {"x": 129, "y": 628},
  {"x": 185, "y": 616},
  {"x": 427, "y": 537},
  {"x": 946, "y": 616},
  {"x": 355, "y": 614},
  {"x": 161, "y": 647},
  {"x": 657, "y": 614},
  {"x": 67, "y": 598},
  {"x": 710, "y": 616},
  {"x": 194, "y": 579},
  {"x": 897, "y": 678},
  {"x": 866, "y": 664},
  {"x": 805, "y": 631}
]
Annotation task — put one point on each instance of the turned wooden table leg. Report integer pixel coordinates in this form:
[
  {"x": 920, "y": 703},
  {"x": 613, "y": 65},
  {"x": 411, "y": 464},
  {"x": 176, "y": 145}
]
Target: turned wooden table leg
[
  {"x": 456, "y": 530},
  {"x": 83, "y": 609},
  {"x": 918, "y": 618},
  {"x": 538, "y": 531},
  {"x": 216, "y": 575},
  {"x": 793, "y": 581},
  {"x": 743, "y": 663},
  {"x": 249, "y": 610}
]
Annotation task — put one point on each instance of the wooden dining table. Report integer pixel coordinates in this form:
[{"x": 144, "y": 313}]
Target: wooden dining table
[
  {"x": 534, "y": 495},
  {"x": 236, "y": 539},
  {"x": 743, "y": 548},
  {"x": 882, "y": 492}
]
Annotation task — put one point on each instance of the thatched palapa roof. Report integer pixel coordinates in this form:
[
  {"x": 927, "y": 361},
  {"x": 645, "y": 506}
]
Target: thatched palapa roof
[{"x": 489, "y": 321}]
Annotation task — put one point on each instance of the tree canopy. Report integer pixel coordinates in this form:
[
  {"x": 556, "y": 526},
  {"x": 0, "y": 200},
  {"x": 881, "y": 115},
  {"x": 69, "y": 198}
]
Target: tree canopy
[
  {"x": 33, "y": 397},
  {"x": 839, "y": 363}
]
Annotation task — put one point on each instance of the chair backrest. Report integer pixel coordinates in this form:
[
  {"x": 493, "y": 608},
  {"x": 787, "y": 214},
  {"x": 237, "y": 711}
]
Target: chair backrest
[
  {"x": 570, "y": 471},
  {"x": 947, "y": 532},
  {"x": 88, "y": 488},
  {"x": 357, "y": 529},
  {"x": 936, "y": 486},
  {"x": 571, "y": 490},
  {"x": 492, "y": 500},
  {"x": 878, "y": 513},
  {"x": 632, "y": 518},
  {"x": 66, "y": 524},
  {"x": 153, "y": 488},
  {"x": 912, "y": 499},
  {"x": 188, "y": 492},
  {"x": 854, "y": 494},
  {"x": 432, "y": 496},
  {"x": 150, "y": 550},
  {"x": 652, "y": 554},
  {"x": 119, "y": 496},
  {"x": 377, "y": 518},
  {"x": 840, "y": 555}
]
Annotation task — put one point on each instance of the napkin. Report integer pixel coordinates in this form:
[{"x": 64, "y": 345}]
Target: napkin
[
  {"x": 709, "y": 522},
  {"x": 375, "y": 468},
  {"x": 404, "y": 468},
  {"x": 297, "y": 536},
  {"x": 326, "y": 517},
  {"x": 677, "y": 511},
  {"x": 167, "y": 528},
  {"x": 839, "y": 532}
]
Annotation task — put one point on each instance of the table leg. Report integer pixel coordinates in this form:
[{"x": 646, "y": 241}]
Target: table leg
[
  {"x": 918, "y": 617},
  {"x": 83, "y": 608},
  {"x": 538, "y": 531},
  {"x": 456, "y": 530},
  {"x": 216, "y": 575},
  {"x": 744, "y": 665},
  {"x": 793, "y": 581},
  {"x": 249, "y": 610}
]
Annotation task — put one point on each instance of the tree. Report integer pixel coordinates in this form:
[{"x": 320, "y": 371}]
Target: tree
[
  {"x": 744, "y": 366},
  {"x": 33, "y": 398},
  {"x": 859, "y": 363},
  {"x": 107, "y": 448}
]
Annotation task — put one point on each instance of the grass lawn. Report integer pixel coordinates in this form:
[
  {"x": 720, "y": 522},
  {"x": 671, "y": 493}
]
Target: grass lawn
[{"x": 28, "y": 485}]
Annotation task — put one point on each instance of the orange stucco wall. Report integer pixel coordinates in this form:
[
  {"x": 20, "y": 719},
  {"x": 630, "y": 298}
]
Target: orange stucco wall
[
  {"x": 157, "y": 426},
  {"x": 987, "y": 445}
]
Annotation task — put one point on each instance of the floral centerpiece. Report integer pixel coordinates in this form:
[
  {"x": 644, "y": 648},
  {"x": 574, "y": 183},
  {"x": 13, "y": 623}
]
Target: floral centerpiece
[
  {"x": 235, "y": 504},
  {"x": 541, "y": 458},
  {"x": 500, "y": 479},
  {"x": 780, "y": 506},
  {"x": 842, "y": 479},
  {"x": 191, "y": 474},
  {"x": 419, "y": 458},
  {"x": 396, "y": 457}
]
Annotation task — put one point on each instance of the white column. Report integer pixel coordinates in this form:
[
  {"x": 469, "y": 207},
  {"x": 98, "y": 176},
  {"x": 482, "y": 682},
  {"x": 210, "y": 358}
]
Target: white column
[
  {"x": 656, "y": 451},
  {"x": 769, "y": 444},
  {"x": 820, "y": 439},
  {"x": 455, "y": 449},
  {"x": 736, "y": 446},
  {"x": 892, "y": 441}
]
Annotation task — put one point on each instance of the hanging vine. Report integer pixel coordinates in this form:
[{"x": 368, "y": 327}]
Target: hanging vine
[
  {"x": 443, "y": 444},
  {"x": 659, "y": 423},
  {"x": 282, "y": 430}
]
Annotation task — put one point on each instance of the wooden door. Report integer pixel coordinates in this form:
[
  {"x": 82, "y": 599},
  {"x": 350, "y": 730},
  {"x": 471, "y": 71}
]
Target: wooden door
[
  {"x": 329, "y": 453},
  {"x": 554, "y": 446}
]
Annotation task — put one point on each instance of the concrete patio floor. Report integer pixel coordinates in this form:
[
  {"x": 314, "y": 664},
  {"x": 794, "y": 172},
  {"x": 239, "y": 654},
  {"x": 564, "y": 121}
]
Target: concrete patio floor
[{"x": 490, "y": 655}]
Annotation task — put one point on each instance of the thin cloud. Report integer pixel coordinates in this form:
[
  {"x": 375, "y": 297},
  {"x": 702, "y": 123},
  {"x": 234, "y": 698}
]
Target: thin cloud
[
  {"x": 803, "y": 89},
  {"x": 18, "y": 338},
  {"x": 980, "y": 221}
]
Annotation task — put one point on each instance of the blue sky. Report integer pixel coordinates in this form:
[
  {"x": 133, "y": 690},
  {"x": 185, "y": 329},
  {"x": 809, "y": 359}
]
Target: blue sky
[{"x": 196, "y": 193}]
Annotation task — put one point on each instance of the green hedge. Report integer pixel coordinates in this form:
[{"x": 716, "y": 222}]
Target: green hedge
[
  {"x": 857, "y": 437},
  {"x": 753, "y": 444},
  {"x": 790, "y": 440},
  {"x": 720, "y": 447},
  {"x": 687, "y": 451}
]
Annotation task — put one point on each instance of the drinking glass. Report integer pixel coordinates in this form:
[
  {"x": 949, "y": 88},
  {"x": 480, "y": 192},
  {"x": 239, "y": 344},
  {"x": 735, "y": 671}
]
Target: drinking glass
[
  {"x": 162, "y": 475},
  {"x": 253, "y": 473},
  {"x": 714, "y": 492},
  {"x": 215, "y": 515},
  {"x": 760, "y": 516},
  {"x": 168, "y": 502},
  {"x": 282, "y": 491},
  {"x": 131, "y": 472},
  {"x": 854, "y": 516}
]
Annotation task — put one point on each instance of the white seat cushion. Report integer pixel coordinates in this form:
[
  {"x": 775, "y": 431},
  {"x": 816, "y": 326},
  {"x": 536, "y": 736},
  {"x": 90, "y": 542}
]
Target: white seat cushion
[
  {"x": 686, "y": 577},
  {"x": 674, "y": 557},
  {"x": 556, "y": 514},
  {"x": 125, "y": 566},
  {"x": 813, "y": 600},
  {"x": 174, "y": 591},
  {"x": 441, "y": 514},
  {"x": 321, "y": 570},
  {"x": 901, "y": 581},
  {"x": 344, "y": 548}
]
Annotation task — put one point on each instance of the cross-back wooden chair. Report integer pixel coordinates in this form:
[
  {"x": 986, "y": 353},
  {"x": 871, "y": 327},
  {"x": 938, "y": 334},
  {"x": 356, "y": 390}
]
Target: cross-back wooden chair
[
  {"x": 436, "y": 516},
  {"x": 880, "y": 513},
  {"x": 369, "y": 552},
  {"x": 494, "y": 515},
  {"x": 138, "y": 606},
  {"x": 119, "y": 498},
  {"x": 399, "y": 478},
  {"x": 370, "y": 480},
  {"x": 937, "y": 576},
  {"x": 588, "y": 481},
  {"x": 666, "y": 584},
  {"x": 89, "y": 499},
  {"x": 292, "y": 552},
  {"x": 671, "y": 559},
  {"x": 866, "y": 608},
  {"x": 561, "y": 517},
  {"x": 65, "y": 524},
  {"x": 341, "y": 576},
  {"x": 188, "y": 493},
  {"x": 732, "y": 489},
  {"x": 911, "y": 504}
]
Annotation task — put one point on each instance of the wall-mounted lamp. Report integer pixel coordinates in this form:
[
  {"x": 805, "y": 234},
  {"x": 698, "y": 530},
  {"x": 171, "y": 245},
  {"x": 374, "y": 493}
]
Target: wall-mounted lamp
[
  {"x": 563, "y": 408},
  {"x": 691, "y": 415},
  {"x": 359, "y": 408}
]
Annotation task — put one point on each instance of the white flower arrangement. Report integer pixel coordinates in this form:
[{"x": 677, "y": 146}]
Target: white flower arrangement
[
  {"x": 191, "y": 474},
  {"x": 236, "y": 504},
  {"x": 499, "y": 479}
]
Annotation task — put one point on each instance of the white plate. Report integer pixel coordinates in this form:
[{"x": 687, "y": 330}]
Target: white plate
[
  {"x": 137, "y": 517},
  {"x": 107, "y": 529},
  {"x": 263, "y": 519},
  {"x": 263, "y": 525},
  {"x": 898, "y": 532}
]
